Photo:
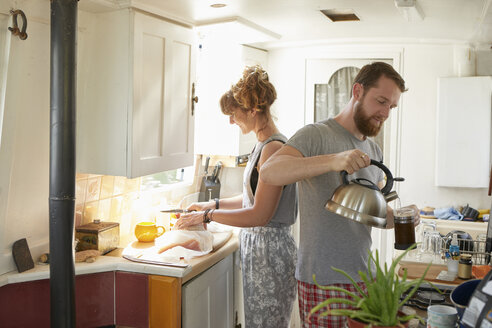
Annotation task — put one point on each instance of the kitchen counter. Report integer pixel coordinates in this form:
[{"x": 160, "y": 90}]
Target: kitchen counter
[
  {"x": 114, "y": 262},
  {"x": 416, "y": 270}
]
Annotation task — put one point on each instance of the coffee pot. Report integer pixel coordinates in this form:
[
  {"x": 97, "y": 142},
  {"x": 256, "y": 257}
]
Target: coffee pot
[{"x": 361, "y": 200}]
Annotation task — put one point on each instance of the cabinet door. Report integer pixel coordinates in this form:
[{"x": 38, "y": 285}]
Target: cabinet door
[
  {"x": 220, "y": 65},
  {"x": 164, "y": 301},
  {"x": 103, "y": 93},
  {"x": 131, "y": 299},
  {"x": 463, "y": 131},
  {"x": 94, "y": 303},
  {"x": 207, "y": 300},
  {"x": 162, "y": 116},
  {"x": 27, "y": 304}
]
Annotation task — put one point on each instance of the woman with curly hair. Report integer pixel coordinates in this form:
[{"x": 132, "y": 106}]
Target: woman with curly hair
[{"x": 265, "y": 212}]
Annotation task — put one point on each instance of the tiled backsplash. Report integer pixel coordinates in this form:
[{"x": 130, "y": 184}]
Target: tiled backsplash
[
  {"x": 122, "y": 200},
  {"x": 118, "y": 199}
]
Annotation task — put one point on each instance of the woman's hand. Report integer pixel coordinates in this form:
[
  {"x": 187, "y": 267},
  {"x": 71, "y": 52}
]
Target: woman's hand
[
  {"x": 189, "y": 219},
  {"x": 202, "y": 206}
]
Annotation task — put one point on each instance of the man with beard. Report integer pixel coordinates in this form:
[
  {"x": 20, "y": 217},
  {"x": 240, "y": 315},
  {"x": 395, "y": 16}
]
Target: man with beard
[{"x": 314, "y": 157}]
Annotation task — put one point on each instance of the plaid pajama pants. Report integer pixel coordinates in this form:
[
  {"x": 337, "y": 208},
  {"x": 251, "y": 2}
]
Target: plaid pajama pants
[{"x": 310, "y": 295}]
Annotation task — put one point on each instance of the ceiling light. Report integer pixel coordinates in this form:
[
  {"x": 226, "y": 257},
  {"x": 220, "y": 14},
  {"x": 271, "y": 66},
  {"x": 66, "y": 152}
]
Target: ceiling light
[
  {"x": 410, "y": 10},
  {"x": 218, "y": 5}
]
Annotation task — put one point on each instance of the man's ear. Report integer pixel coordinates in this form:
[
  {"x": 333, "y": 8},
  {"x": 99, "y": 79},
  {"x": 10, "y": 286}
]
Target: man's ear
[{"x": 357, "y": 91}]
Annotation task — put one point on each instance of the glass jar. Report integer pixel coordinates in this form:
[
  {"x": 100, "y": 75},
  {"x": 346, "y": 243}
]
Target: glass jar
[
  {"x": 404, "y": 219},
  {"x": 465, "y": 266}
]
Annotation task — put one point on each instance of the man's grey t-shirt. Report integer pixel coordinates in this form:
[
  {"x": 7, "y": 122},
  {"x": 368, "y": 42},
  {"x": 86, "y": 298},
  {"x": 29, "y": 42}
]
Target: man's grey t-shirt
[{"x": 326, "y": 239}]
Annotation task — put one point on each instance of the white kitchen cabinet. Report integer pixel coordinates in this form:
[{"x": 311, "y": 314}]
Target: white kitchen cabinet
[
  {"x": 463, "y": 131},
  {"x": 208, "y": 299},
  {"x": 135, "y": 112},
  {"x": 220, "y": 65}
]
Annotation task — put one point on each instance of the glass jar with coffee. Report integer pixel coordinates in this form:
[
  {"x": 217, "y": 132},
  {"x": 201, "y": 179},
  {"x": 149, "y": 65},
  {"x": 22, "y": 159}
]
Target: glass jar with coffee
[{"x": 404, "y": 227}]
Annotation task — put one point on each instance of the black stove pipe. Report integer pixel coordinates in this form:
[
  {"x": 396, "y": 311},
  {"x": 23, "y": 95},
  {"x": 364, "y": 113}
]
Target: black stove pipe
[{"x": 62, "y": 161}]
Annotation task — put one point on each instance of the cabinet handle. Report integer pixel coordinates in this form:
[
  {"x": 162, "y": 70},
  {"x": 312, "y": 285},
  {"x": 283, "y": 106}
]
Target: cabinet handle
[{"x": 194, "y": 99}]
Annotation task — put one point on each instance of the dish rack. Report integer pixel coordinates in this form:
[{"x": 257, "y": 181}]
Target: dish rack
[{"x": 476, "y": 248}]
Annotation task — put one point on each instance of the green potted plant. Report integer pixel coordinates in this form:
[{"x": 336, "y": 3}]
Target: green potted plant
[{"x": 380, "y": 305}]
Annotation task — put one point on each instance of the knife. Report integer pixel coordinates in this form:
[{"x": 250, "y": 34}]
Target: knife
[{"x": 176, "y": 210}]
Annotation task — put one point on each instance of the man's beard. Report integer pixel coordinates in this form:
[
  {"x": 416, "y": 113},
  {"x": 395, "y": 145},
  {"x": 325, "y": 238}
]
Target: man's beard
[{"x": 363, "y": 123}]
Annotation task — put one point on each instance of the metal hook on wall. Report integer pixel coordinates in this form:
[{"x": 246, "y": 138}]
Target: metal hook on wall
[{"x": 15, "y": 30}]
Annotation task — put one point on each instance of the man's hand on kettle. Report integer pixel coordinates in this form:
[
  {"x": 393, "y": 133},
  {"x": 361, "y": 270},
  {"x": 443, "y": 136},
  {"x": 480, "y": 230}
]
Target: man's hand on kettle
[{"x": 351, "y": 161}]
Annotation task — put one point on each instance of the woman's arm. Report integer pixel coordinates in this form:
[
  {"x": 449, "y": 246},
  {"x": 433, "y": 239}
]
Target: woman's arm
[
  {"x": 265, "y": 203},
  {"x": 224, "y": 203}
]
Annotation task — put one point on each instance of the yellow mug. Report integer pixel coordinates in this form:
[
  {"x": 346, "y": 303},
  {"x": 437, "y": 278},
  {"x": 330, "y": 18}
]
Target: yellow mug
[{"x": 148, "y": 231}]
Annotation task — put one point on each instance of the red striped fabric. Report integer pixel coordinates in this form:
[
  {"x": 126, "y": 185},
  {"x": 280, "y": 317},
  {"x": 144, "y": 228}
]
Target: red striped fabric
[{"x": 310, "y": 295}]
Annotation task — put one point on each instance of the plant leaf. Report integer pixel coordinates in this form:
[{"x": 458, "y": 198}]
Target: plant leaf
[{"x": 357, "y": 287}]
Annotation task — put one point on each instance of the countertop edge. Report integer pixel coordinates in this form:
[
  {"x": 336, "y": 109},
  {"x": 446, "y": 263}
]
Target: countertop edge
[
  {"x": 200, "y": 264},
  {"x": 112, "y": 263}
]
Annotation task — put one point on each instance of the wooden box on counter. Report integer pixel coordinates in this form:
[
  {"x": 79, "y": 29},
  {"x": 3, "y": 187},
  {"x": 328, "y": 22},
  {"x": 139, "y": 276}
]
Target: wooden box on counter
[{"x": 101, "y": 236}]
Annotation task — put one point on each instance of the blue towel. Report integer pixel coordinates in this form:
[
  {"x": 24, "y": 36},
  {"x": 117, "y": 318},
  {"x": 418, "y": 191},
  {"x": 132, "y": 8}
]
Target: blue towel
[{"x": 448, "y": 213}]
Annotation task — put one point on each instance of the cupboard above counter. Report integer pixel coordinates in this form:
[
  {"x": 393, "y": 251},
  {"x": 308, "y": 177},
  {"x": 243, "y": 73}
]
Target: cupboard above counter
[
  {"x": 220, "y": 65},
  {"x": 135, "y": 113},
  {"x": 463, "y": 131}
]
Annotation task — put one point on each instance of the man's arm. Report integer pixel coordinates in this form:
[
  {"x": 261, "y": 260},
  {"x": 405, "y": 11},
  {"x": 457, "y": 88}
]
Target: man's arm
[{"x": 288, "y": 165}]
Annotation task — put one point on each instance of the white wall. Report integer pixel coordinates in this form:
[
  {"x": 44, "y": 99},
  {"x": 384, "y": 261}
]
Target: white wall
[
  {"x": 421, "y": 65},
  {"x": 24, "y": 148}
]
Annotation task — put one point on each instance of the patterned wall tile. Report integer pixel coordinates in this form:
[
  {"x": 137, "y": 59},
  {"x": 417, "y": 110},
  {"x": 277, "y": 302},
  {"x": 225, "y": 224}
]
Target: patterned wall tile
[
  {"x": 116, "y": 209},
  {"x": 90, "y": 212},
  {"x": 104, "y": 209},
  {"x": 107, "y": 186},
  {"x": 93, "y": 189},
  {"x": 80, "y": 189},
  {"x": 119, "y": 186},
  {"x": 132, "y": 185}
]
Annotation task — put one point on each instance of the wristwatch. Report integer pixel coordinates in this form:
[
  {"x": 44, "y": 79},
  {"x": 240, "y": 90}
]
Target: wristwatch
[{"x": 216, "y": 203}]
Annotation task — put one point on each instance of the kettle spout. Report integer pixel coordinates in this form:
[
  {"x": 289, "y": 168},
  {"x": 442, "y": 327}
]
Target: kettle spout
[{"x": 392, "y": 195}]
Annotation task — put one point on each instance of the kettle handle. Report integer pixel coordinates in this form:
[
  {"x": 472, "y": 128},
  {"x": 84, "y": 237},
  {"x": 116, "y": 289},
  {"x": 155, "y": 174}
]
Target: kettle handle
[{"x": 389, "y": 177}]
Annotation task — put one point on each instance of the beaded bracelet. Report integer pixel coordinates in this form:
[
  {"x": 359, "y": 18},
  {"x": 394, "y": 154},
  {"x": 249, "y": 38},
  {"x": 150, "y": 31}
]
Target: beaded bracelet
[{"x": 206, "y": 219}]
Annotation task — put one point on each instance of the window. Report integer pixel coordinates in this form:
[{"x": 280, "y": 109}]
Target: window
[
  {"x": 167, "y": 178},
  {"x": 330, "y": 98}
]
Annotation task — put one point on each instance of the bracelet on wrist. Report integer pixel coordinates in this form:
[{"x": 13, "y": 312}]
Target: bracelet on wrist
[
  {"x": 216, "y": 203},
  {"x": 206, "y": 219}
]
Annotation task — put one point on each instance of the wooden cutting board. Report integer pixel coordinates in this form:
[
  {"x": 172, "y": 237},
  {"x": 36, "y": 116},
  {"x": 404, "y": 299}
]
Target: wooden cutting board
[
  {"x": 132, "y": 252},
  {"x": 415, "y": 271},
  {"x": 220, "y": 238}
]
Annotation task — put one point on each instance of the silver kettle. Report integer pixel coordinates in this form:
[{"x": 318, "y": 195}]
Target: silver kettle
[{"x": 361, "y": 200}]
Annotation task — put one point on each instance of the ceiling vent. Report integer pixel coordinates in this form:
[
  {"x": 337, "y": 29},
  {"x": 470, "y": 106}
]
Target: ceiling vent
[{"x": 340, "y": 15}]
